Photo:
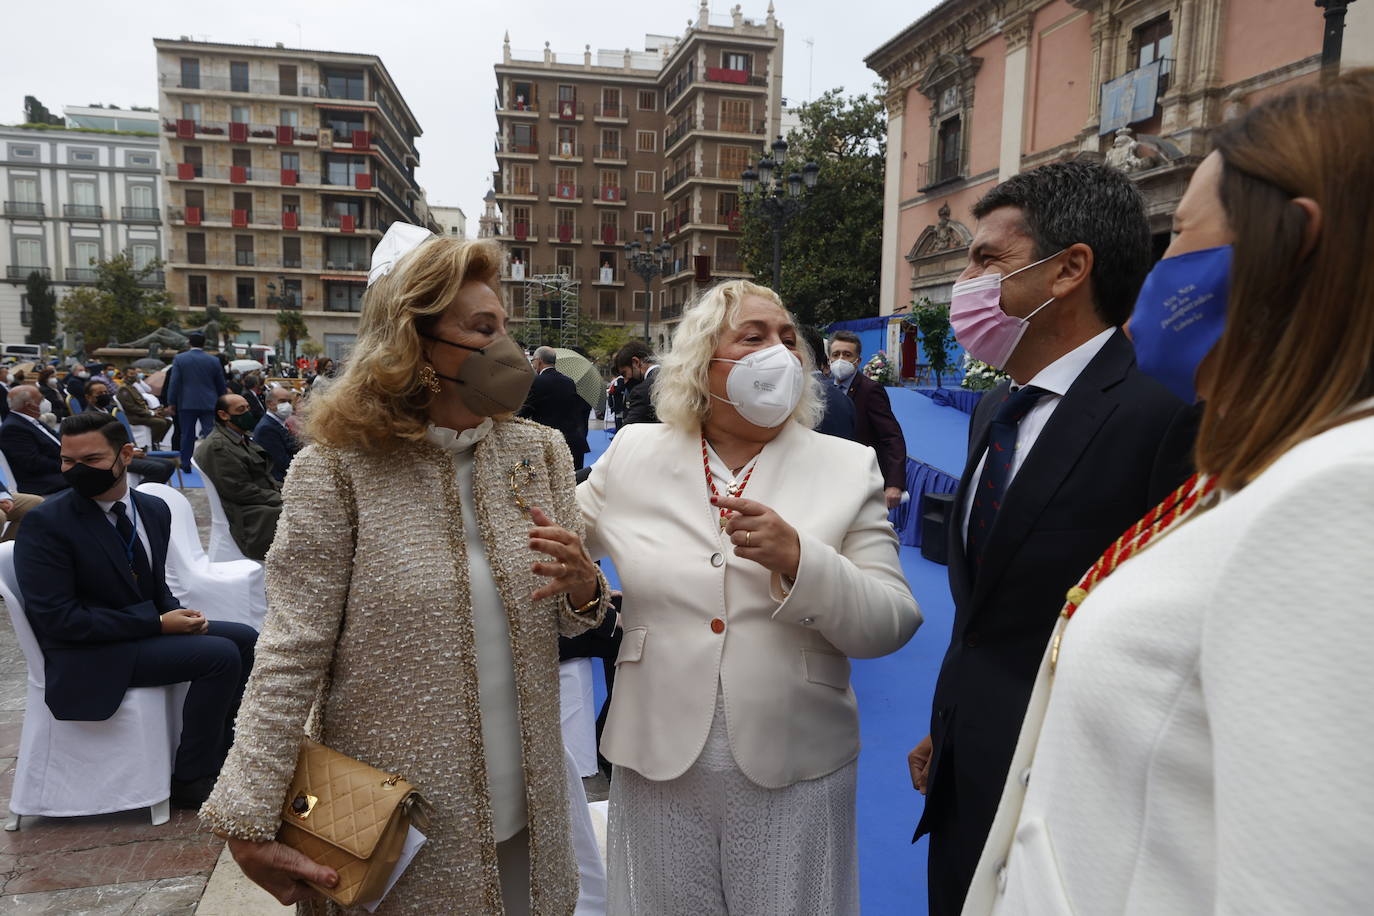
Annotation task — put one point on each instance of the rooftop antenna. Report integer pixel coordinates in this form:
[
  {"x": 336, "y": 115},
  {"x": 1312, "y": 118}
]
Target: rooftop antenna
[
  {"x": 810, "y": 66},
  {"x": 300, "y": 42}
]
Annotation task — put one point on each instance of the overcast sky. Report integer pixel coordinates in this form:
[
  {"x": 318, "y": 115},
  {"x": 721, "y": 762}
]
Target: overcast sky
[{"x": 440, "y": 53}]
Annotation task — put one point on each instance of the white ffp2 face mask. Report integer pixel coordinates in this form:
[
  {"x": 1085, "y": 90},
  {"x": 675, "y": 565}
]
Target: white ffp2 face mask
[
  {"x": 765, "y": 387},
  {"x": 841, "y": 369}
]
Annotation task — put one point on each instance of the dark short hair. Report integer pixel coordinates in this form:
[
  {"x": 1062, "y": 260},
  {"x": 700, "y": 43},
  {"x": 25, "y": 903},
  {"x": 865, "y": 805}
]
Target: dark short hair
[
  {"x": 195, "y": 339},
  {"x": 1065, "y": 203},
  {"x": 849, "y": 337},
  {"x": 222, "y": 402},
  {"x": 108, "y": 426},
  {"x": 635, "y": 349}
]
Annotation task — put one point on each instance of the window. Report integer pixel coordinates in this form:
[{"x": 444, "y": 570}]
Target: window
[
  {"x": 23, "y": 152},
  {"x": 197, "y": 290},
  {"x": 644, "y": 181},
  {"x": 195, "y": 198},
  {"x": 286, "y": 79},
  {"x": 727, "y": 254},
  {"x": 565, "y": 177},
  {"x": 139, "y": 159},
  {"x": 567, "y": 93},
  {"x": 291, "y": 293},
  {"x": 343, "y": 84},
  {"x": 243, "y": 200},
  {"x": 195, "y": 247},
  {"x": 289, "y": 117},
  {"x": 85, "y": 254},
  {"x": 190, "y": 111},
  {"x": 648, "y": 100},
  {"x": 291, "y": 203},
  {"x": 239, "y": 114},
  {"x": 1155, "y": 41},
  {"x": 238, "y": 76},
  {"x": 346, "y": 254},
  {"x": 610, "y": 144},
  {"x": 646, "y": 141},
  {"x": 733, "y": 160},
  {"x": 25, "y": 189},
  {"x": 290, "y": 252},
  {"x": 522, "y": 138},
  {"x": 641, "y": 299},
  {"x": 643, "y": 220},
  {"x": 242, "y": 158},
  {"x": 338, "y": 346},
  {"x": 608, "y": 302},
  {"x": 564, "y": 259},
  {"x": 610, "y": 102},
  {"x": 950, "y": 155},
  {"x": 243, "y": 250},
  {"x": 520, "y": 220},
  {"x": 82, "y": 155},
  {"x": 192, "y": 156},
  {"x": 142, "y": 196},
  {"x": 83, "y": 193},
  {"x": 343, "y": 123},
  {"x": 522, "y": 96},
  {"x": 245, "y": 293},
  {"x": 608, "y": 178},
  {"x": 727, "y": 206},
  {"x": 190, "y": 73},
  {"x": 736, "y": 115},
  {"x": 734, "y": 60},
  {"x": 565, "y": 216},
  {"x": 29, "y": 252},
  {"x": 291, "y": 161},
  {"x": 343, "y": 297},
  {"x": 142, "y": 254},
  {"x": 343, "y": 169},
  {"x": 25, "y": 313},
  {"x": 520, "y": 182}
]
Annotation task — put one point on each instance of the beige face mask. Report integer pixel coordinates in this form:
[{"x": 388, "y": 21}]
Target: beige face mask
[{"x": 494, "y": 379}]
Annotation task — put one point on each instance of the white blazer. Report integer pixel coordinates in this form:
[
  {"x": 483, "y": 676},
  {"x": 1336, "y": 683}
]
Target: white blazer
[
  {"x": 1208, "y": 742},
  {"x": 780, "y": 661}
]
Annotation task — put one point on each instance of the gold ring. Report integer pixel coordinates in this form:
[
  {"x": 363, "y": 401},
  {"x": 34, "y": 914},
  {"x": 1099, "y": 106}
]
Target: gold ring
[
  {"x": 746, "y": 538},
  {"x": 564, "y": 568}
]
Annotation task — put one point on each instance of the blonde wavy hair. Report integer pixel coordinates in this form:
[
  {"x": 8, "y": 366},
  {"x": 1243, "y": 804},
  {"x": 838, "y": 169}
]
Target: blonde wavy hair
[
  {"x": 378, "y": 403},
  {"x": 682, "y": 395}
]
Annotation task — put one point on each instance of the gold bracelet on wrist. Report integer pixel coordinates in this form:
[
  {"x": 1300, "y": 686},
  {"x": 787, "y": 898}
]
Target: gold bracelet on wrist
[{"x": 590, "y": 605}]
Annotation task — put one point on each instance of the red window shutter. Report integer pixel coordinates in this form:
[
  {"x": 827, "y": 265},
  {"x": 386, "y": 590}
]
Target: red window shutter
[
  {"x": 238, "y": 133},
  {"x": 286, "y": 135},
  {"x": 362, "y": 139},
  {"x": 186, "y": 129},
  {"x": 185, "y": 171},
  {"x": 702, "y": 262},
  {"x": 346, "y": 222},
  {"x": 362, "y": 181},
  {"x": 289, "y": 176},
  {"x": 608, "y": 235},
  {"x": 193, "y": 216},
  {"x": 565, "y": 233},
  {"x": 522, "y": 230},
  {"x": 238, "y": 174},
  {"x": 239, "y": 218},
  {"x": 290, "y": 220}
]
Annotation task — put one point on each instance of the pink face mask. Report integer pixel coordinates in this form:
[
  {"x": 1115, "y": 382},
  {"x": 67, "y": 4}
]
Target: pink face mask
[{"x": 981, "y": 327}]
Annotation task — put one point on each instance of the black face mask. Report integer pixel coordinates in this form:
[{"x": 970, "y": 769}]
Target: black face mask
[
  {"x": 103, "y": 401},
  {"x": 91, "y": 482}
]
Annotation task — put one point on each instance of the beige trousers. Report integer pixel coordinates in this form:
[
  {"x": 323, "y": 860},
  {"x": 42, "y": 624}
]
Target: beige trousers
[{"x": 23, "y": 502}]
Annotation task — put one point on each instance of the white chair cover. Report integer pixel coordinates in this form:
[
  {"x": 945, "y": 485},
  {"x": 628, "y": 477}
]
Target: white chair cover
[
  {"x": 67, "y": 769},
  {"x": 231, "y": 590},
  {"x": 143, "y": 437},
  {"x": 578, "y": 705},
  {"x": 222, "y": 545},
  {"x": 590, "y": 855},
  {"x": 11, "y": 482}
]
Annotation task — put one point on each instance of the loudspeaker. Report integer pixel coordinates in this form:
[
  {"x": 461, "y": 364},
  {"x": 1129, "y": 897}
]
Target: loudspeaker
[{"x": 937, "y": 511}]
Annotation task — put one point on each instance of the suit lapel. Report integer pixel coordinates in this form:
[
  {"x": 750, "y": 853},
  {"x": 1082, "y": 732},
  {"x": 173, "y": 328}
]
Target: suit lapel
[
  {"x": 108, "y": 539},
  {"x": 158, "y": 536},
  {"x": 960, "y": 578},
  {"x": 1060, "y": 445}
]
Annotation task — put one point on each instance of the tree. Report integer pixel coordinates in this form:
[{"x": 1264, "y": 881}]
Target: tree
[
  {"x": 602, "y": 340},
  {"x": 932, "y": 323},
  {"x": 121, "y": 305},
  {"x": 832, "y": 250},
  {"x": 311, "y": 350},
  {"x": 35, "y": 112},
  {"x": 42, "y": 309},
  {"x": 291, "y": 325}
]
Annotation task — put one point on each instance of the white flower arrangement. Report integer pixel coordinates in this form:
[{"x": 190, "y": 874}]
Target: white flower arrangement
[
  {"x": 979, "y": 376},
  {"x": 880, "y": 370}
]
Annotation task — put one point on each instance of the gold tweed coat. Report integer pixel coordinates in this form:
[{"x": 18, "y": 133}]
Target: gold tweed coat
[{"x": 369, "y": 571}]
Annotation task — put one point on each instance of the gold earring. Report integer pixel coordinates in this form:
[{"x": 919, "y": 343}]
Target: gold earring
[{"x": 430, "y": 380}]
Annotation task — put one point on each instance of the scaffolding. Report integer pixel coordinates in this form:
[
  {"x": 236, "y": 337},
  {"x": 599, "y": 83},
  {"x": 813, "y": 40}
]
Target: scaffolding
[{"x": 551, "y": 310}]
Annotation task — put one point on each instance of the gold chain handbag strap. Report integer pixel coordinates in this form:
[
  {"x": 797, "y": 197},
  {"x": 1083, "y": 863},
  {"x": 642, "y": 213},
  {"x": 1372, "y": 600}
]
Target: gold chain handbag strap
[{"x": 314, "y": 723}]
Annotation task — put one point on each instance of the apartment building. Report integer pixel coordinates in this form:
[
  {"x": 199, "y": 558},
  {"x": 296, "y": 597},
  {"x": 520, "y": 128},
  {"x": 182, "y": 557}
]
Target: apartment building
[
  {"x": 71, "y": 198},
  {"x": 282, "y": 169},
  {"x": 604, "y": 149}
]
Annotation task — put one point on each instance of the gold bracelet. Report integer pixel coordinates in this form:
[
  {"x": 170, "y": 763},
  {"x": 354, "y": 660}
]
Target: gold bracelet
[{"x": 590, "y": 605}]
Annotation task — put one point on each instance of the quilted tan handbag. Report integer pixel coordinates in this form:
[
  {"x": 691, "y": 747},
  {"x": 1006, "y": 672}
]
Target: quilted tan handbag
[{"x": 351, "y": 817}]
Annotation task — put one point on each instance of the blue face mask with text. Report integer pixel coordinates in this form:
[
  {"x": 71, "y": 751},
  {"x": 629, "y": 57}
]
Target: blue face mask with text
[{"x": 1179, "y": 316}]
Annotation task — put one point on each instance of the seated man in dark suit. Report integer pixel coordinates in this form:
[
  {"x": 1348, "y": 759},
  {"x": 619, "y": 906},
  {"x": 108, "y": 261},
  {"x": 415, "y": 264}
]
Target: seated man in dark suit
[
  {"x": 635, "y": 363},
  {"x": 241, "y": 473},
  {"x": 272, "y": 433},
  {"x": 99, "y": 400},
  {"x": 874, "y": 423},
  {"x": 91, "y": 569},
  {"x": 838, "y": 419},
  {"x": 30, "y": 447},
  {"x": 553, "y": 400}
]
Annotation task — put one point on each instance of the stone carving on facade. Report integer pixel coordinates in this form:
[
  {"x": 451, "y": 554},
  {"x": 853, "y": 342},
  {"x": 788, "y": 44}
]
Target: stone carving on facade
[
  {"x": 946, "y": 234},
  {"x": 1235, "y": 106},
  {"x": 1016, "y": 31},
  {"x": 1130, "y": 155}
]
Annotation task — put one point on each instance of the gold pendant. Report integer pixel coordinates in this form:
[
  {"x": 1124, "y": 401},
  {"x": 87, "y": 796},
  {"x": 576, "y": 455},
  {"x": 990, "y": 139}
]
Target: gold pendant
[
  {"x": 1054, "y": 652},
  {"x": 521, "y": 475}
]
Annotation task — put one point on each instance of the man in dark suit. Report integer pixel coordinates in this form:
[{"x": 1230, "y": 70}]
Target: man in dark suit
[
  {"x": 91, "y": 569},
  {"x": 241, "y": 473},
  {"x": 194, "y": 383},
  {"x": 75, "y": 385},
  {"x": 99, "y": 400},
  {"x": 839, "y": 418},
  {"x": 553, "y": 400},
  {"x": 874, "y": 423},
  {"x": 33, "y": 450},
  {"x": 1062, "y": 459},
  {"x": 635, "y": 363},
  {"x": 272, "y": 433},
  {"x": 253, "y": 393}
]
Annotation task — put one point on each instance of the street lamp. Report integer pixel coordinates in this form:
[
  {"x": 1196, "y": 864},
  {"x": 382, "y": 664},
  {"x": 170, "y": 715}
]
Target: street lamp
[
  {"x": 648, "y": 262},
  {"x": 779, "y": 197}
]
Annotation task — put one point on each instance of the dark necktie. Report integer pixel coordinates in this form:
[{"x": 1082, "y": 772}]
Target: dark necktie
[
  {"x": 992, "y": 486},
  {"x": 143, "y": 573}
]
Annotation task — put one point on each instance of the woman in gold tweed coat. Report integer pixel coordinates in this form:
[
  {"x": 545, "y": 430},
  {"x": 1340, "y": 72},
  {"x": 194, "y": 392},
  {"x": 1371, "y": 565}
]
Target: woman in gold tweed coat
[{"x": 421, "y": 565}]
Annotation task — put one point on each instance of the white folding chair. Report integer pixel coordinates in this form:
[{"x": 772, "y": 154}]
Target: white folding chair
[
  {"x": 222, "y": 544},
  {"x": 69, "y": 769},
  {"x": 230, "y": 590},
  {"x": 11, "y": 482},
  {"x": 578, "y": 707}
]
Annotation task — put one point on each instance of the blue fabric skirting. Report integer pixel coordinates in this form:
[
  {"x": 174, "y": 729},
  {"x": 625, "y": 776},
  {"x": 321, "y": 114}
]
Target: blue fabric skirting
[{"x": 921, "y": 479}]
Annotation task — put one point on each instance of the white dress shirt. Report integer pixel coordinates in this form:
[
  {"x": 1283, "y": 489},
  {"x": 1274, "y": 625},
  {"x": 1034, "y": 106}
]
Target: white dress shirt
[
  {"x": 132, "y": 515},
  {"x": 495, "y": 661},
  {"x": 1056, "y": 378},
  {"x": 39, "y": 423}
]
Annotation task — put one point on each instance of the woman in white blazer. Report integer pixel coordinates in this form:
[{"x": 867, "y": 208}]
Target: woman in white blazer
[
  {"x": 756, "y": 559},
  {"x": 1199, "y": 739}
]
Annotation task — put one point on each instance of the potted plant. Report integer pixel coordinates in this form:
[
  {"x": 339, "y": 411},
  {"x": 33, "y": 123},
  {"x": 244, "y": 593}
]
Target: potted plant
[
  {"x": 880, "y": 370},
  {"x": 979, "y": 376},
  {"x": 931, "y": 321}
]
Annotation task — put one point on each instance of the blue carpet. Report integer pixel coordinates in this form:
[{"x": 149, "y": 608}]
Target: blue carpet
[
  {"x": 189, "y": 479},
  {"x": 934, "y": 434}
]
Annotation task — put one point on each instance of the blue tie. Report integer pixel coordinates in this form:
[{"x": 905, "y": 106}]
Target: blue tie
[{"x": 992, "y": 486}]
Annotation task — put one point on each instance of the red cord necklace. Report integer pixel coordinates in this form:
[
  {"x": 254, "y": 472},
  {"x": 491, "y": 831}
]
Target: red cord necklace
[{"x": 734, "y": 490}]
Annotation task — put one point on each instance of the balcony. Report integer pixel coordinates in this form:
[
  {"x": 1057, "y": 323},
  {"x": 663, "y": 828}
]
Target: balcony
[
  {"x": 235, "y": 174},
  {"x": 20, "y": 272},
  {"x": 527, "y": 189},
  {"x": 619, "y": 113},
  {"x": 609, "y": 276},
  {"x": 240, "y": 132},
  {"x": 565, "y": 234},
  {"x": 610, "y": 194},
  {"x": 508, "y": 147},
  {"x": 140, "y": 214},
  {"x": 557, "y": 270},
  {"x": 680, "y": 84},
  {"x": 566, "y": 111},
  {"x": 678, "y": 131},
  {"x": 517, "y": 108},
  {"x": 520, "y": 230},
  {"x": 609, "y": 235},
  {"x": 251, "y": 87},
  {"x": 565, "y": 150},
  {"x": 82, "y": 274},
  {"x": 83, "y": 211},
  {"x": 610, "y": 154},
  {"x": 671, "y": 312},
  {"x": 737, "y": 77},
  {"x": 154, "y": 279},
  {"x": 24, "y": 208},
  {"x": 264, "y": 264},
  {"x": 939, "y": 171},
  {"x": 730, "y": 124},
  {"x": 570, "y": 193}
]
